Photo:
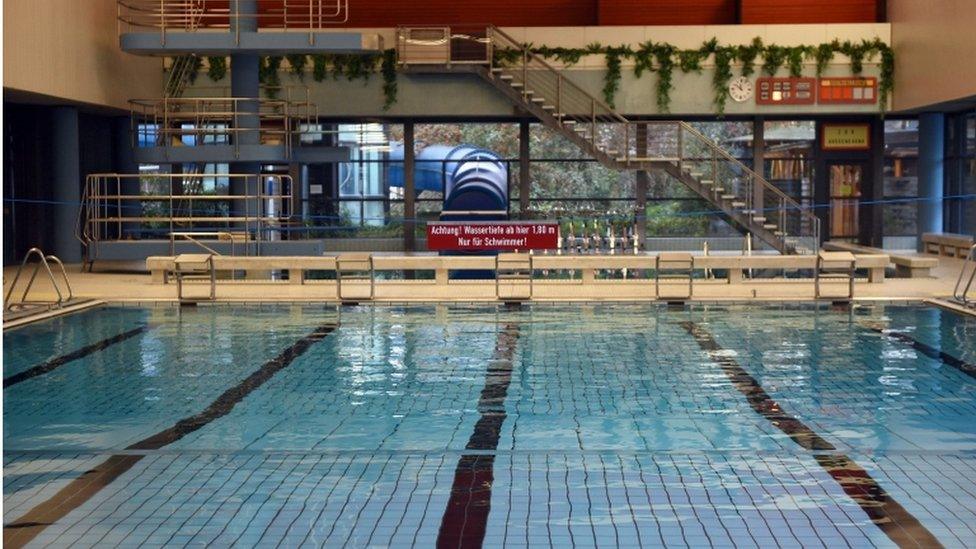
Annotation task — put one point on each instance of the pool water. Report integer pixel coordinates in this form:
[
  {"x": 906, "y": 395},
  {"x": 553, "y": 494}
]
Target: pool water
[{"x": 460, "y": 426}]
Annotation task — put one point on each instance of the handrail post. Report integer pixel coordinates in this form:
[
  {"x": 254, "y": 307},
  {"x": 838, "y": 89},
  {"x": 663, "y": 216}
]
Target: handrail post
[
  {"x": 559, "y": 96},
  {"x": 593, "y": 121},
  {"x": 525, "y": 72}
]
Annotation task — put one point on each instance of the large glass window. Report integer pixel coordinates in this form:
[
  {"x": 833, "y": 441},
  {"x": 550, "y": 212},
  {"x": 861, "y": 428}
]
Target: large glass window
[
  {"x": 961, "y": 172},
  {"x": 900, "y": 199},
  {"x": 788, "y": 159}
]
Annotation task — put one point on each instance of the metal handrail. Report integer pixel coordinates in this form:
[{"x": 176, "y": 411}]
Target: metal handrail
[
  {"x": 196, "y": 15},
  {"x": 963, "y": 295},
  {"x": 103, "y": 204},
  {"x": 44, "y": 260}
]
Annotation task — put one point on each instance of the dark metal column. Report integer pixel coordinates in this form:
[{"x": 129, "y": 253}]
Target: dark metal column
[
  {"x": 125, "y": 162},
  {"x": 525, "y": 183},
  {"x": 409, "y": 189},
  {"x": 758, "y": 161},
  {"x": 931, "y": 172},
  {"x": 640, "y": 188},
  {"x": 66, "y": 184}
]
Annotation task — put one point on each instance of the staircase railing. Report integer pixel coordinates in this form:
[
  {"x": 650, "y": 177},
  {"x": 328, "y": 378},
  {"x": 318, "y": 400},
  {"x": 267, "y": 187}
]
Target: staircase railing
[
  {"x": 620, "y": 143},
  {"x": 179, "y": 75}
]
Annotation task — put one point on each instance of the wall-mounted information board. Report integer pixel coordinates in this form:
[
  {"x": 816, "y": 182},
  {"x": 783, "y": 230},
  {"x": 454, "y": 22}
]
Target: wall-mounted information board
[
  {"x": 786, "y": 91},
  {"x": 848, "y": 90}
]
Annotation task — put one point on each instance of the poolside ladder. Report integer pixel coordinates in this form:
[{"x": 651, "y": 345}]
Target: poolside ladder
[
  {"x": 835, "y": 266},
  {"x": 960, "y": 292},
  {"x": 675, "y": 266},
  {"x": 195, "y": 267},
  {"x": 355, "y": 269},
  {"x": 45, "y": 261},
  {"x": 514, "y": 272}
]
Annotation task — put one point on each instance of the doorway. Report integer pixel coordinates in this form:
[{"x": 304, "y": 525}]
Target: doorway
[{"x": 845, "y": 181}]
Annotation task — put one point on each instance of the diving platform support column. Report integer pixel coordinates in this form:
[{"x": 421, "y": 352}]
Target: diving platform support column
[{"x": 245, "y": 81}]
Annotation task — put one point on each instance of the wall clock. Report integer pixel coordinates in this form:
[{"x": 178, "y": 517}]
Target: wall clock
[{"x": 740, "y": 89}]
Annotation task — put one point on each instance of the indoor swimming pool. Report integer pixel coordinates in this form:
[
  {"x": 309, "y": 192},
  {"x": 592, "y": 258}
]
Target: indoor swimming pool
[{"x": 583, "y": 425}]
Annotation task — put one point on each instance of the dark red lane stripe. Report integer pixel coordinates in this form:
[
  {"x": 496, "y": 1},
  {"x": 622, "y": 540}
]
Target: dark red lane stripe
[
  {"x": 77, "y": 492},
  {"x": 465, "y": 518},
  {"x": 927, "y": 350},
  {"x": 57, "y": 362},
  {"x": 894, "y": 520}
]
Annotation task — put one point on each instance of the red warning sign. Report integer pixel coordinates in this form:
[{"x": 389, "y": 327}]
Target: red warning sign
[{"x": 498, "y": 236}]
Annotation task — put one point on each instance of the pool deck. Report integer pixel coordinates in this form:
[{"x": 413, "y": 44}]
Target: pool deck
[{"x": 137, "y": 287}]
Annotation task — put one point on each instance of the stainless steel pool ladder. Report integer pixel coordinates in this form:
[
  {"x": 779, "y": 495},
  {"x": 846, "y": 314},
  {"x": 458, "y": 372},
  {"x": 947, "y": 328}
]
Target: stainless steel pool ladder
[
  {"x": 674, "y": 266},
  {"x": 46, "y": 261},
  {"x": 835, "y": 266},
  {"x": 196, "y": 266},
  {"x": 961, "y": 292},
  {"x": 357, "y": 268},
  {"x": 514, "y": 269}
]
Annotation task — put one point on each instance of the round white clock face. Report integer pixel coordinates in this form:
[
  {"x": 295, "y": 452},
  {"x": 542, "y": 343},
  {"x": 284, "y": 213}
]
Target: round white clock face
[{"x": 740, "y": 89}]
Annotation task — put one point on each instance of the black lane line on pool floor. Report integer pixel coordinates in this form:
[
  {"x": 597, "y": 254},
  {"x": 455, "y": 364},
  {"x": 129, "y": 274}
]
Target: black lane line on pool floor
[
  {"x": 466, "y": 515},
  {"x": 925, "y": 349},
  {"x": 60, "y": 361},
  {"x": 894, "y": 520},
  {"x": 27, "y": 527}
]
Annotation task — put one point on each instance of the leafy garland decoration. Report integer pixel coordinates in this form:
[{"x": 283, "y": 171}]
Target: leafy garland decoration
[
  {"x": 216, "y": 68},
  {"x": 650, "y": 56}
]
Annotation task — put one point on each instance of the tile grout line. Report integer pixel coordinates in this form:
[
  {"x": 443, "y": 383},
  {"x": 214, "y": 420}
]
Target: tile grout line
[
  {"x": 884, "y": 511},
  {"x": 465, "y": 517},
  {"x": 57, "y": 362},
  {"x": 20, "y": 532}
]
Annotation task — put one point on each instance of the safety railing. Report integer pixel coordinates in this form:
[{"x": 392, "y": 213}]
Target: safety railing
[
  {"x": 203, "y": 121},
  {"x": 236, "y": 16},
  {"x": 613, "y": 139},
  {"x": 128, "y": 206},
  {"x": 967, "y": 276},
  {"x": 45, "y": 261}
]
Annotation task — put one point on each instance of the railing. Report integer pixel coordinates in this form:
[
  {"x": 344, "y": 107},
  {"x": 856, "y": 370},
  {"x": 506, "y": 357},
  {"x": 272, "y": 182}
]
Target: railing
[
  {"x": 612, "y": 138},
  {"x": 165, "y": 204},
  {"x": 167, "y": 16},
  {"x": 961, "y": 291},
  {"x": 44, "y": 260},
  {"x": 179, "y": 75},
  {"x": 219, "y": 121}
]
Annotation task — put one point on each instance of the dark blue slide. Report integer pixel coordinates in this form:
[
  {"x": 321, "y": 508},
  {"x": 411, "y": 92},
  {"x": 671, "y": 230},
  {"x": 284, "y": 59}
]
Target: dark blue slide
[{"x": 474, "y": 181}]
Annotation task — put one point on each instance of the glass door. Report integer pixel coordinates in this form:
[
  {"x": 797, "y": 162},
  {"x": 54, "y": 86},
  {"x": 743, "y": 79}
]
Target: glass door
[{"x": 845, "y": 198}]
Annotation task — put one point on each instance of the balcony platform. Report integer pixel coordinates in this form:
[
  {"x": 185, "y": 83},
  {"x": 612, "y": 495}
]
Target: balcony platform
[{"x": 260, "y": 43}]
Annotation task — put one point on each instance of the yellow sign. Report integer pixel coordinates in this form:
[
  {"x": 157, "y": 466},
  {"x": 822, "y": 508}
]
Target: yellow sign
[{"x": 846, "y": 137}]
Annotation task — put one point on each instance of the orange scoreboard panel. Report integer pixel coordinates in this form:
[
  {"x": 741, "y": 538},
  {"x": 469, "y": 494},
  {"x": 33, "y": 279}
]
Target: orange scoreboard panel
[{"x": 848, "y": 90}]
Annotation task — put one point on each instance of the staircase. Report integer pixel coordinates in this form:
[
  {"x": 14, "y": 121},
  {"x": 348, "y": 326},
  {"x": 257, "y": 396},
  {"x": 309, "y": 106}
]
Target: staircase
[
  {"x": 745, "y": 198},
  {"x": 179, "y": 75}
]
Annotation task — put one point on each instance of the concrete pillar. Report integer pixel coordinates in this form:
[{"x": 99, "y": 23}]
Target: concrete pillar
[
  {"x": 409, "y": 189},
  {"x": 525, "y": 176},
  {"x": 66, "y": 184},
  {"x": 125, "y": 163},
  {"x": 642, "y": 183},
  {"x": 245, "y": 81},
  {"x": 931, "y": 168}
]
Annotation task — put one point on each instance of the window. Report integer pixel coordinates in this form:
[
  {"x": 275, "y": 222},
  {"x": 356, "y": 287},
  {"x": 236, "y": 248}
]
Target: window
[{"x": 900, "y": 199}]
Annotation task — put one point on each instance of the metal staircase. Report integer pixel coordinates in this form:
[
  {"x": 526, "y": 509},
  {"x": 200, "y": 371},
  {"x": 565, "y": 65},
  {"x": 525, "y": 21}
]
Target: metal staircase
[
  {"x": 744, "y": 197},
  {"x": 179, "y": 75}
]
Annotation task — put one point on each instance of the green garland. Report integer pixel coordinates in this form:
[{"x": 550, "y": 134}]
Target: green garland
[
  {"x": 217, "y": 68},
  {"x": 662, "y": 58},
  {"x": 650, "y": 56}
]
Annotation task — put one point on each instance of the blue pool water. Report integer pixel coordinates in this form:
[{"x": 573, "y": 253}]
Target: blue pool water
[{"x": 581, "y": 425}]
